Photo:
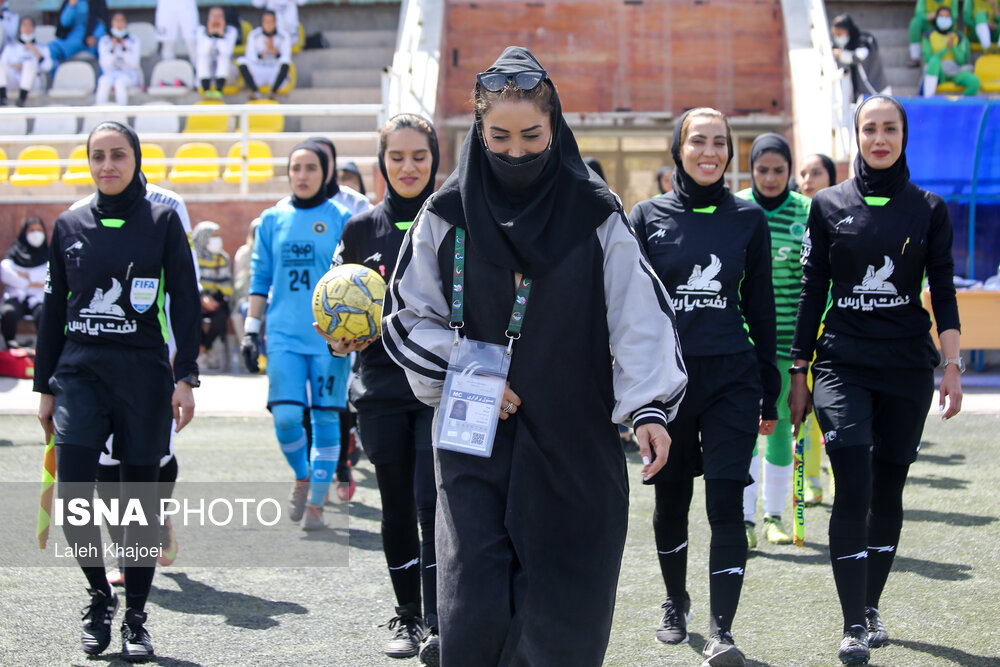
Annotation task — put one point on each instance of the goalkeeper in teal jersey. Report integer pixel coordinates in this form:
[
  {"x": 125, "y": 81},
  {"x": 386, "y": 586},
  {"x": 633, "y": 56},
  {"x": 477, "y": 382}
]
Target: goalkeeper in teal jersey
[
  {"x": 293, "y": 247},
  {"x": 787, "y": 212}
]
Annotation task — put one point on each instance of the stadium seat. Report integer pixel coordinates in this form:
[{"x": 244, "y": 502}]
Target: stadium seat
[
  {"x": 145, "y": 32},
  {"x": 28, "y": 173},
  {"x": 171, "y": 78},
  {"x": 287, "y": 86},
  {"x": 78, "y": 174},
  {"x": 91, "y": 120},
  {"x": 73, "y": 79},
  {"x": 988, "y": 71},
  {"x": 154, "y": 162},
  {"x": 200, "y": 123},
  {"x": 61, "y": 124},
  {"x": 44, "y": 34},
  {"x": 259, "y": 167},
  {"x": 266, "y": 122},
  {"x": 301, "y": 39},
  {"x": 195, "y": 173},
  {"x": 4, "y": 169},
  {"x": 245, "y": 28},
  {"x": 14, "y": 126},
  {"x": 159, "y": 123},
  {"x": 949, "y": 88}
]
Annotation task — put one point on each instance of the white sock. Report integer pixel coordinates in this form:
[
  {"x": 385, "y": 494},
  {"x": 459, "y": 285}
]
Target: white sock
[
  {"x": 167, "y": 51},
  {"x": 750, "y": 492},
  {"x": 915, "y": 51},
  {"x": 930, "y": 85},
  {"x": 777, "y": 480},
  {"x": 983, "y": 32}
]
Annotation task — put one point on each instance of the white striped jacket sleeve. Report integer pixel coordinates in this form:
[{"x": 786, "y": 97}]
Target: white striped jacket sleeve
[{"x": 649, "y": 374}]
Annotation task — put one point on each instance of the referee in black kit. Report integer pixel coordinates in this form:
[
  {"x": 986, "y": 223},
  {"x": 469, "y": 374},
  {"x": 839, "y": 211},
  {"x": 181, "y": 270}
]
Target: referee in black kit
[{"x": 102, "y": 366}]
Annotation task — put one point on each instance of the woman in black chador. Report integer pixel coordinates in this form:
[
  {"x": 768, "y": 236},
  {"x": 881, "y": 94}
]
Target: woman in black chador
[{"x": 529, "y": 540}]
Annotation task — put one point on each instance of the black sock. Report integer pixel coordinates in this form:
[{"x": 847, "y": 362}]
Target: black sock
[
  {"x": 220, "y": 82},
  {"x": 252, "y": 85},
  {"x": 22, "y": 95},
  {"x": 3, "y": 94},
  {"x": 206, "y": 85},
  {"x": 884, "y": 525},
  {"x": 425, "y": 491},
  {"x": 280, "y": 79},
  {"x": 849, "y": 530},
  {"x": 727, "y": 557},
  {"x": 76, "y": 472},
  {"x": 168, "y": 478},
  {"x": 400, "y": 540},
  {"x": 670, "y": 529}
]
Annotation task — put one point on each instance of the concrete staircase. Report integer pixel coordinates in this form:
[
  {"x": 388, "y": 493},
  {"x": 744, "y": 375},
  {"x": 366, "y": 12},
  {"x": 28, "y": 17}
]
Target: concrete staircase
[{"x": 889, "y": 21}]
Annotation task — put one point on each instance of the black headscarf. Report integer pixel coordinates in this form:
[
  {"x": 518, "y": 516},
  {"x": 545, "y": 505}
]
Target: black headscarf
[
  {"x": 770, "y": 143},
  {"x": 659, "y": 178},
  {"x": 405, "y": 209},
  {"x": 692, "y": 194},
  {"x": 595, "y": 164},
  {"x": 23, "y": 253},
  {"x": 562, "y": 207},
  {"x": 123, "y": 203},
  {"x": 353, "y": 168},
  {"x": 881, "y": 182},
  {"x": 320, "y": 196},
  {"x": 845, "y": 22},
  {"x": 831, "y": 168},
  {"x": 97, "y": 10},
  {"x": 332, "y": 187}
]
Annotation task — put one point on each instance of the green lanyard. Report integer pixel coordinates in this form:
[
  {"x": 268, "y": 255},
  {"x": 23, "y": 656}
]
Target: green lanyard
[{"x": 458, "y": 295}]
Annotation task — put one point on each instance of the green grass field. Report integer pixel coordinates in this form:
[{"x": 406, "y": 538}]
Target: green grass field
[{"x": 940, "y": 605}]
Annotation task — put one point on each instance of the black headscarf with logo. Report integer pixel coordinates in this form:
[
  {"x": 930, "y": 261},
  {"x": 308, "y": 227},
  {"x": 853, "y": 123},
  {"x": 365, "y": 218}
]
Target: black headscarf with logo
[
  {"x": 533, "y": 229},
  {"x": 886, "y": 182}
]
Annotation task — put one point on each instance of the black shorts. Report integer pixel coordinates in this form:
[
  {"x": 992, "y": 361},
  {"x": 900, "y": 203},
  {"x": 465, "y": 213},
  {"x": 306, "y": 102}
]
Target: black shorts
[
  {"x": 715, "y": 429},
  {"x": 882, "y": 408},
  {"x": 391, "y": 436},
  {"x": 102, "y": 390}
]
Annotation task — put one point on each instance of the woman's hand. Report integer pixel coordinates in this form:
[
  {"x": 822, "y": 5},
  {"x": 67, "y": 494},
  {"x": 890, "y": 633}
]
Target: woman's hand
[
  {"x": 766, "y": 426},
  {"x": 653, "y": 440},
  {"x": 343, "y": 346},
  {"x": 46, "y": 408},
  {"x": 511, "y": 399},
  {"x": 183, "y": 405},
  {"x": 951, "y": 388},
  {"x": 799, "y": 401}
]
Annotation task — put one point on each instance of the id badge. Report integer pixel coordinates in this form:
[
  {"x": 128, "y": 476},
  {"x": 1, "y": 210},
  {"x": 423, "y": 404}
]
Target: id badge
[{"x": 472, "y": 397}]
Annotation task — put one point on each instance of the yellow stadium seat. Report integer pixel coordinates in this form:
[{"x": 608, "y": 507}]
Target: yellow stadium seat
[
  {"x": 4, "y": 169},
  {"x": 287, "y": 86},
  {"x": 233, "y": 85},
  {"x": 154, "y": 162},
  {"x": 27, "y": 173},
  {"x": 266, "y": 122},
  {"x": 241, "y": 48},
  {"x": 259, "y": 167},
  {"x": 988, "y": 71},
  {"x": 79, "y": 173},
  {"x": 948, "y": 87},
  {"x": 198, "y": 123},
  {"x": 195, "y": 173},
  {"x": 301, "y": 41}
]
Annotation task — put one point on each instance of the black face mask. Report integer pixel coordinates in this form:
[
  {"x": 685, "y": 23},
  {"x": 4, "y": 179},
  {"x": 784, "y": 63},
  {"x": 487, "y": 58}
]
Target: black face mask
[{"x": 517, "y": 174}]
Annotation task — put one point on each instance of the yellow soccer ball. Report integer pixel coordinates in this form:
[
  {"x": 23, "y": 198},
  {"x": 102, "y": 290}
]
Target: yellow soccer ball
[{"x": 347, "y": 302}]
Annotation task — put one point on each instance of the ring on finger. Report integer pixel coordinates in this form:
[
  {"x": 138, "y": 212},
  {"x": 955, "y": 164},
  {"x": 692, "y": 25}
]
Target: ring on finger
[{"x": 509, "y": 407}]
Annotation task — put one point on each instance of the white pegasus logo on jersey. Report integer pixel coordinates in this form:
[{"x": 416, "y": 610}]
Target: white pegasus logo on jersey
[
  {"x": 103, "y": 303},
  {"x": 877, "y": 281},
  {"x": 703, "y": 280},
  {"x": 374, "y": 257}
]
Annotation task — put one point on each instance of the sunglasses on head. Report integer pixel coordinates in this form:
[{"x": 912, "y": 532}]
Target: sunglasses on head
[{"x": 495, "y": 81}]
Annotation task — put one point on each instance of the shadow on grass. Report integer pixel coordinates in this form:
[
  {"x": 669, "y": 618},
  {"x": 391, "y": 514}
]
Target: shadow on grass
[
  {"x": 240, "y": 609},
  {"x": 932, "y": 570},
  {"x": 6, "y": 443},
  {"x": 116, "y": 659},
  {"x": 955, "y": 655},
  {"x": 697, "y": 643},
  {"x": 935, "y": 482},
  {"x": 810, "y": 554},
  {"x": 942, "y": 459},
  {"x": 950, "y": 518}
]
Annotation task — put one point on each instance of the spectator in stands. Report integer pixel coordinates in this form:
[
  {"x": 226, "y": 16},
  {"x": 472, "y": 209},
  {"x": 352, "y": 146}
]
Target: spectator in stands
[
  {"x": 241, "y": 280},
  {"x": 176, "y": 19},
  {"x": 287, "y": 13},
  {"x": 350, "y": 176},
  {"x": 216, "y": 42},
  {"x": 22, "y": 272},
  {"x": 857, "y": 53},
  {"x": 10, "y": 22},
  {"x": 984, "y": 15},
  {"x": 663, "y": 176},
  {"x": 817, "y": 172},
  {"x": 215, "y": 271},
  {"x": 946, "y": 52},
  {"x": 922, "y": 21},
  {"x": 118, "y": 55},
  {"x": 268, "y": 55},
  {"x": 81, "y": 24},
  {"x": 23, "y": 63}
]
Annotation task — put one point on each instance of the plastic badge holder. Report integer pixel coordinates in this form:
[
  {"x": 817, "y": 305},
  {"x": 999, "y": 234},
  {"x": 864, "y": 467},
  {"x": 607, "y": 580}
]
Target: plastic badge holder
[{"x": 472, "y": 397}]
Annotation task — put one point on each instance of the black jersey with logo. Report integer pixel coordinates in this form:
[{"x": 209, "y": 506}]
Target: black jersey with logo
[
  {"x": 370, "y": 238},
  {"x": 107, "y": 284},
  {"x": 716, "y": 265},
  {"x": 871, "y": 254}
]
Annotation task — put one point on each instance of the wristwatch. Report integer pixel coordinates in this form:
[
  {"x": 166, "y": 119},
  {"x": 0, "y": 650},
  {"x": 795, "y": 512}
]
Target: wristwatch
[
  {"x": 957, "y": 361},
  {"x": 794, "y": 370},
  {"x": 191, "y": 379}
]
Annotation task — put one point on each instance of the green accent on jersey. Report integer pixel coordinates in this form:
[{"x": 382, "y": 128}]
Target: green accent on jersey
[
  {"x": 162, "y": 316},
  {"x": 787, "y": 225},
  {"x": 404, "y": 225},
  {"x": 707, "y": 209},
  {"x": 876, "y": 201},
  {"x": 114, "y": 223},
  {"x": 739, "y": 290}
]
